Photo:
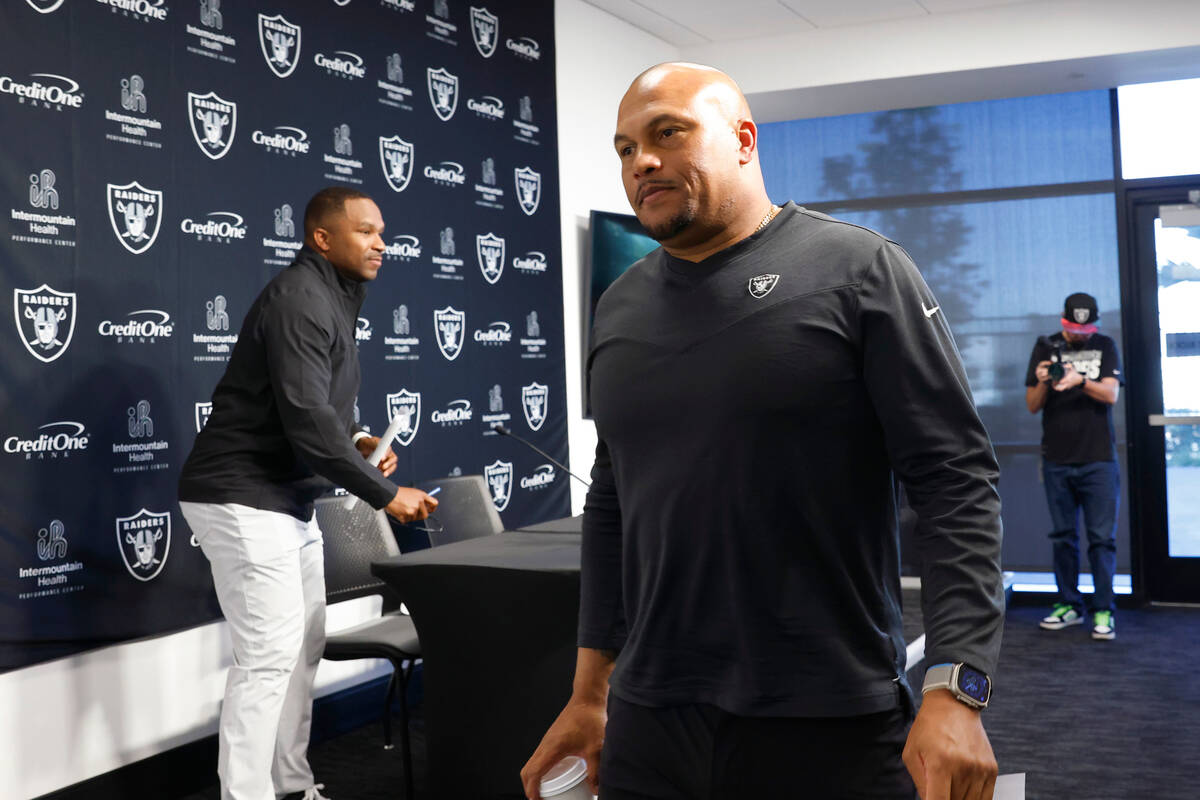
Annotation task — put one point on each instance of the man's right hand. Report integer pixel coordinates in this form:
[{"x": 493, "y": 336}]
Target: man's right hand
[
  {"x": 578, "y": 731},
  {"x": 1043, "y": 371},
  {"x": 410, "y": 505}
]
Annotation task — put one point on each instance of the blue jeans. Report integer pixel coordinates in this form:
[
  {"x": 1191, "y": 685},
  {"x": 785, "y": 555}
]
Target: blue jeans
[{"x": 1093, "y": 488}]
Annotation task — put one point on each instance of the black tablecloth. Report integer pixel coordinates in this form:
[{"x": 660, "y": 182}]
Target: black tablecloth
[{"x": 497, "y": 619}]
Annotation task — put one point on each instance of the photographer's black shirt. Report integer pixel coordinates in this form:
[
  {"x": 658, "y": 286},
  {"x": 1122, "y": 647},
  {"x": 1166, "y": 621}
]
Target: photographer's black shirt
[
  {"x": 1075, "y": 428},
  {"x": 753, "y": 412}
]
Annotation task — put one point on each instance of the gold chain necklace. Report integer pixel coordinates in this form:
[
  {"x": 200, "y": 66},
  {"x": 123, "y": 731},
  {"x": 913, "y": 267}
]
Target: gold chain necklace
[{"x": 770, "y": 216}]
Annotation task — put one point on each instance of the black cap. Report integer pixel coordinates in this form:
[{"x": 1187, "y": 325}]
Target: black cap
[{"x": 1080, "y": 309}]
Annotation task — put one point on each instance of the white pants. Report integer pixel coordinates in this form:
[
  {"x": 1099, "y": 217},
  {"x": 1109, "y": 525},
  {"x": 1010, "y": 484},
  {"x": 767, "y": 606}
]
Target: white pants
[{"x": 269, "y": 573}]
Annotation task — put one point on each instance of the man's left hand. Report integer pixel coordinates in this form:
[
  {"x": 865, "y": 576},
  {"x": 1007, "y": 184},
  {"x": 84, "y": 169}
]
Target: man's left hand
[
  {"x": 367, "y": 444},
  {"x": 948, "y": 753},
  {"x": 1070, "y": 379}
]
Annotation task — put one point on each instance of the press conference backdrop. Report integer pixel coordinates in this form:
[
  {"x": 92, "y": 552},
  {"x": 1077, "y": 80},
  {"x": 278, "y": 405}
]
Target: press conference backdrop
[{"x": 157, "y": 158}]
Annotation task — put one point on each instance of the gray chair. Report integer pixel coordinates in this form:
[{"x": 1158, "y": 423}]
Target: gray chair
[
  {"x": 465, "y": 510},
  {"x": 355, "y": 535}
]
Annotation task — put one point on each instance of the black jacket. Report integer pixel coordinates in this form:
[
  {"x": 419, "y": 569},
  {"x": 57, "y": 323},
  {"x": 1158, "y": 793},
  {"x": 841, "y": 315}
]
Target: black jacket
[{"x": 283, "y": 413}]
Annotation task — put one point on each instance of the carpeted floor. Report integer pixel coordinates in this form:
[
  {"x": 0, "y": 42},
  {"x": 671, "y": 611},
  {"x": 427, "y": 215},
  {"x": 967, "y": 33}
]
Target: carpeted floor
[
  {"x": 354, "y": 766},
  {"x": 1084, "y": 720},
  {"x": 1088, "y": 720}
]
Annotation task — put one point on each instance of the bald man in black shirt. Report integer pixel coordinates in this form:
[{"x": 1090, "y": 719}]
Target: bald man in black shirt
[{"x": 758, "y": 384}]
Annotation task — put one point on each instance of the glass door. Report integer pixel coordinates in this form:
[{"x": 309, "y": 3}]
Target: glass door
[{"x": 1165, "y": 400}]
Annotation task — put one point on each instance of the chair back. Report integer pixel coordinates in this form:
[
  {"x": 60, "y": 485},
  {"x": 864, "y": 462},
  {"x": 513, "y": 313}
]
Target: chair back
[
  {"x": 465, "y": 509},
  {"x": 355, "y": 535}
]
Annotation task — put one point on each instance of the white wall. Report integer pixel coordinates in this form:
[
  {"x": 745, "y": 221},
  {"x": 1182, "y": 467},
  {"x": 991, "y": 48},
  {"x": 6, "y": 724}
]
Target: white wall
[
  {"x": 72, "y": 719},
  {"x": 598, "y": 56}
]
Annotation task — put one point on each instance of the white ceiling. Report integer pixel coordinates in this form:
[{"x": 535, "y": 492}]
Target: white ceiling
[
  {"x": 802, "y": 58},
  {"x": 692, "y": 22}
]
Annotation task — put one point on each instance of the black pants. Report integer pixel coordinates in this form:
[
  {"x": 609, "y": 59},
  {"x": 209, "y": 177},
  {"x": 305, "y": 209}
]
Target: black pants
[{"x": 699, "y": 752}]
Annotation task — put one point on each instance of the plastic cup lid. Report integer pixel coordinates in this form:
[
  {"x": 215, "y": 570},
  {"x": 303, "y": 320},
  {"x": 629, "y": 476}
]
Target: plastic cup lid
[{"x": 563, "y": 775}]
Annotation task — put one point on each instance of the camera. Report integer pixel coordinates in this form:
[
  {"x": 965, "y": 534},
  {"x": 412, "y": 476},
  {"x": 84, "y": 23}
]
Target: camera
[{"x": 1055, "y": 357}]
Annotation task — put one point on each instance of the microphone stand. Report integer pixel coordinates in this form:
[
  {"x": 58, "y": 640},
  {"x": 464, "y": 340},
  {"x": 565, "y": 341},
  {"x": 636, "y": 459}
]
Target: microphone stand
[{"x": 503, "y": 431}]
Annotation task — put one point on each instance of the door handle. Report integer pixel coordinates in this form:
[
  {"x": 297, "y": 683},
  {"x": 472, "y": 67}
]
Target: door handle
[{"x": 1161, "y": 420}]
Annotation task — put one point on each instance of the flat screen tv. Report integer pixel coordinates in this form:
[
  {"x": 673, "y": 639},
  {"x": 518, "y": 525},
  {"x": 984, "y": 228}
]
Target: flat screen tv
[{"x": 618, "y": 240}]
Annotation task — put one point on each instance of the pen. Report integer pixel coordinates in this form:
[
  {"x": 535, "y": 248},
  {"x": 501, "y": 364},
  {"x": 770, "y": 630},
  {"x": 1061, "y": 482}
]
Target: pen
[{"x": 435, "y": 490}]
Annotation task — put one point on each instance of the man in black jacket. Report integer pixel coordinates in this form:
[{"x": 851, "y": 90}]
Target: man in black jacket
[
  {"x": 281, "y": 429},
  {"x": 758, "y": 384}
]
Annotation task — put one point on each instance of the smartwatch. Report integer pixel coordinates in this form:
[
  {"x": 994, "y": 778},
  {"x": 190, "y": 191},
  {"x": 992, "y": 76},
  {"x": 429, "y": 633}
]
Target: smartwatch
[{"x": 968, "y": 685}]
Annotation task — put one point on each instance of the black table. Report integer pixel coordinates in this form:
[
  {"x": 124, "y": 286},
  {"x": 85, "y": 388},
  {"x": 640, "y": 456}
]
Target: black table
[
  {"x": 497, "y": 618},
  {"x": 564, "y": 525}
]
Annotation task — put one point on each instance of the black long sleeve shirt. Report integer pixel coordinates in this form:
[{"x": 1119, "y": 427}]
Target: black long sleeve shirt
[
  {"x": 740, "y": 542},
  {"x": 283, "y": 413}
]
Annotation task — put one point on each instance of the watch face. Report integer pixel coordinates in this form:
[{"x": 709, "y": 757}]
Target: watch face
[{"x": 974, "y": 684}]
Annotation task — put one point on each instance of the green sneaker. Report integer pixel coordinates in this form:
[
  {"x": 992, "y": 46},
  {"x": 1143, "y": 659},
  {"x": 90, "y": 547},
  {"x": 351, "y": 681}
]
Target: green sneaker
[
  {"x": 1063, "y": 616},
  {"x": 1103, "y": 625}
]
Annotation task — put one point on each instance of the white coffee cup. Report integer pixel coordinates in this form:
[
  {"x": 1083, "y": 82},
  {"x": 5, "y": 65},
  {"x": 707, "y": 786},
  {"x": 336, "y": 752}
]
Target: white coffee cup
[{"x": 567, "y": 780}]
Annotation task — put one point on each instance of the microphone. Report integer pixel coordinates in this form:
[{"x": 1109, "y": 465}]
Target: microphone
[{"x": 499, "y": 428}]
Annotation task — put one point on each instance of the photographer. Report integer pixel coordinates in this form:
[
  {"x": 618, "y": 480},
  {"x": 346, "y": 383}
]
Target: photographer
[{"x": 1073, "y": 379}]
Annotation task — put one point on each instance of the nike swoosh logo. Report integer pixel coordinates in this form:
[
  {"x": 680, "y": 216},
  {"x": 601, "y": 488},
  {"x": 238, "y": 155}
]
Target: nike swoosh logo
[{"x": 929, "y": 312}]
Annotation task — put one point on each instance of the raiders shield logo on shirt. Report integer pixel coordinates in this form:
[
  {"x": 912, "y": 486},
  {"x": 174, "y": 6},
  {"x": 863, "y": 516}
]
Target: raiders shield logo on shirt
[{"x": 761, "y": 285}]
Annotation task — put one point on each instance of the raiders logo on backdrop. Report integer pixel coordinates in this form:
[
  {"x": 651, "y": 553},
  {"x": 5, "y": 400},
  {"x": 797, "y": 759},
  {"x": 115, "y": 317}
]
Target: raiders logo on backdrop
[
  {"x": 761, "y": 285},
  {"x": 213, "y": 122},
  {"x": 396, "y": 157},
  {"x": 140, "y": 213},
  {"x": 485, "y": 29},
  {"x": 407, "y": 406},
  {"x": 529, "y": 189},
  {"x": 203, "y": 412},
  {"x": 534, "y": 400},
  {"x": 45, "y": 320},
  {"x": 490, "y": 251},
  {"x": 280, "y": 42},
  {"x": 451, "y": 327},
  {"x": 499, "y": 476},
  {"x": 144, "y": 541},
  {"x": 443, "y": 92}
]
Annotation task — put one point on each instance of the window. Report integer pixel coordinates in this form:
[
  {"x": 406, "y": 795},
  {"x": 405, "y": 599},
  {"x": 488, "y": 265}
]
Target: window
[
  {"x": 1159, "y": 122},
  {"x": 1006, "y": 206}
]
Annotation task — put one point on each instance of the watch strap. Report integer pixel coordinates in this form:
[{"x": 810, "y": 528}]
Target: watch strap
[{"x": 939, "y": 676}]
